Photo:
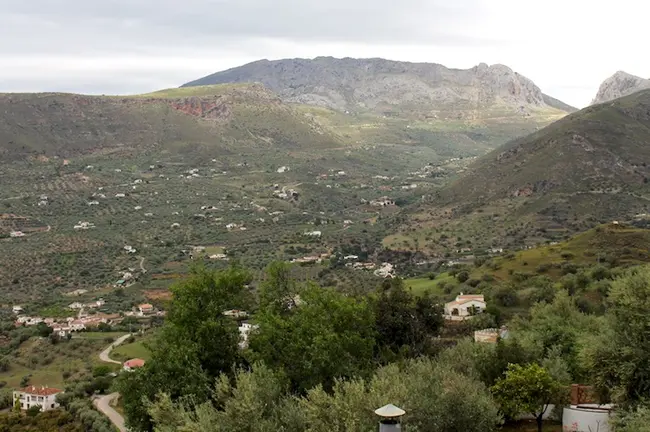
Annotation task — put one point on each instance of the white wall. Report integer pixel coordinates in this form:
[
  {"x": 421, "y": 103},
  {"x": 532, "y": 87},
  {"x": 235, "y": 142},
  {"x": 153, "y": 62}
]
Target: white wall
[{"x": 585, "y": 420}]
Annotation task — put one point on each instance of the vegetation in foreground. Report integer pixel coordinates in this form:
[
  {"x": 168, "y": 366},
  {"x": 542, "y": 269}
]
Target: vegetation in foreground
[{"x": 465, "y": 387}]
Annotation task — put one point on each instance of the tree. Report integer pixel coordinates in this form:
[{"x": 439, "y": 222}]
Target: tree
[
  {"x": 278, "y": 291},
  {"x": 327, "y": 336},
  {"x": 437, "y": 399},
  {"x": 403, "y": 322},
  {"x": 195, "y": 345},
  {"x": 526, "y": 389},
  {"x": 619, "y": 357},
  {"x": 33, "y": 410},
  {"x": 4, "y": 364},
  {"x": 43, "y": 329}
]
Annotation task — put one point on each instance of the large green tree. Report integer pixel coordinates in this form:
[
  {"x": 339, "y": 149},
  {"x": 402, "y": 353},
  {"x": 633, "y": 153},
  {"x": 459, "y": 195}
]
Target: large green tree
[
  {"x": 195, "y": 345},
  {"x": 404, "y": 324},
  {"x": 526, "y": 390},
  {"x": 619, "y": 358},
  {"x": 326, "y": 335}
]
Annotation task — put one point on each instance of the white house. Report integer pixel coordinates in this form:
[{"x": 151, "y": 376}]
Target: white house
[
  {"x": 465, "y": 306},
  {"x": 244, "y": 330},
  {"x": 17, "y": 309},
  {"x": 30, "y": 396}
]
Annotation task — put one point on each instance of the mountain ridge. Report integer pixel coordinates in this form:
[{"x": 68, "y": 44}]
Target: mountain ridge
[{"x": 381, "y": 86}]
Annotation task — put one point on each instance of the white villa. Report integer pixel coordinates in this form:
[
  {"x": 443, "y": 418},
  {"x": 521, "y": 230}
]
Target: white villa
[
  {"x": 30, "y": 396},
  {"x": 465, "y": 306}
]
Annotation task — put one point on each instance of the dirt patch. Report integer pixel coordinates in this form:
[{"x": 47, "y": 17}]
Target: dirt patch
[{"x": 158, "y": 294}]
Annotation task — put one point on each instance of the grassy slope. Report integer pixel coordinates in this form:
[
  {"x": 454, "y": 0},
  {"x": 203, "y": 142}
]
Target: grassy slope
[
  {"x": 628, "y": 245},
  {"x": 588, "y": 168},
  {"x": 47, "y": 363},
  {"x": 208, "y": 120}
]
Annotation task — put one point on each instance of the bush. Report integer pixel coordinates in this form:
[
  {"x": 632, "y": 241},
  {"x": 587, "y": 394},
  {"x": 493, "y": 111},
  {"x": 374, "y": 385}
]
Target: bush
[
  {"x": 506, "y": 296},
  {"x": 462, "y": 277}
]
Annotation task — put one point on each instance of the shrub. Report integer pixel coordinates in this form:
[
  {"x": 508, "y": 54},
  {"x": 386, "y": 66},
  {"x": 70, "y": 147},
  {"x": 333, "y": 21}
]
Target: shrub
[{"x": 462, "y": 277}]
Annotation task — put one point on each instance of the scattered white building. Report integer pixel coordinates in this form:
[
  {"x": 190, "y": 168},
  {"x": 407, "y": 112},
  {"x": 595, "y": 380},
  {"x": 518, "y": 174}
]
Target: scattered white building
[
  {"x": 30, "y": 396},
  {"x": 93, "y": 203},
  {"x": 244, "y": 331},
  {"x": 75, "y": 305},
  {"x": 282, "y": 169},
  {"x": 130, "y": 249},
  {"x": 490, "y": 335},
  {"x": 313, "y": 233},
  {"x": 222, "y": 257},
  {"x": 465, "y": 306},
  {"x": 382, "y": 202},
  {"x": 17, "y": 309},
  {"x": 119, "y": 195},
  {"x": 386, "y": 271},
  {"x": 84, "y": 225},
  {"x": 16, "y": 234}
]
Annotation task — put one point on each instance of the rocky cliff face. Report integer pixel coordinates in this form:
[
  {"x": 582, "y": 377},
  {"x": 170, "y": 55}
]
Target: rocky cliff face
[
  {"x": 385, "y": 86},
  {"x": 618, "y": 85}
]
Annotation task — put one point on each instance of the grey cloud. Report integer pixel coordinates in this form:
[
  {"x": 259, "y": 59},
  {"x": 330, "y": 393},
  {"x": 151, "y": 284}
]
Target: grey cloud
[{"x": 84, "y": 25}]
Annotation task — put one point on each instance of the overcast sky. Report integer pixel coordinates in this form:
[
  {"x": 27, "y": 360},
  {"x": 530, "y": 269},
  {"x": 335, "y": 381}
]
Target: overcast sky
[{"x": 567, "y": 47}]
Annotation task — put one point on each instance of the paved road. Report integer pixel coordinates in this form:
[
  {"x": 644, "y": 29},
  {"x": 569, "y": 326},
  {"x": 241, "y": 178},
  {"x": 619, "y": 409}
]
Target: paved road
[
  {"x": 103, "y": 404},
  {"x": 144, "y": 270},
  {"x": 103, "y": 356}
]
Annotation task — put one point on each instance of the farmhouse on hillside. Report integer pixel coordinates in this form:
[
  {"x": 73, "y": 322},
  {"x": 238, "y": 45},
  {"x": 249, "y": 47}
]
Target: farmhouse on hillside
[
  {"x": 45, "y": 397},
  {"x": 465, "y": 306},
  {"x": 133, "y": 364}
]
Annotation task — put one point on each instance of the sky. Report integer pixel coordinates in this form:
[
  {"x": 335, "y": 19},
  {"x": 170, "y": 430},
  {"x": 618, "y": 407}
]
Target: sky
[{"x": 567, "y": 47}]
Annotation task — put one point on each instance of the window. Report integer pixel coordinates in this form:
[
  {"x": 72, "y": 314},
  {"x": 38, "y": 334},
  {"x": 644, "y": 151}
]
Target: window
[{"x": 52, "y": 406}]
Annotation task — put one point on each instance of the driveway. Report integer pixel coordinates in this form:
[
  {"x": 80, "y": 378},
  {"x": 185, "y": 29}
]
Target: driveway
[
  {"x": 103, "y": 356},
  {"x": 103, "y": 404}
]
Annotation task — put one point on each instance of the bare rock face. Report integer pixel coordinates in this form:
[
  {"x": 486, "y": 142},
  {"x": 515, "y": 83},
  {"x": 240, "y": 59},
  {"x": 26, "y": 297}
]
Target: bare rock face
[
  {"x": 618, "y": 85},
  {"x": 385, "y": 86}
]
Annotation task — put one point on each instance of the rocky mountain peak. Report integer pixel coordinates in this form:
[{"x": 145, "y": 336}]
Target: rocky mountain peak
[
  {"x": 618, "y": 85},
  {"x": 385, "y": 86}
]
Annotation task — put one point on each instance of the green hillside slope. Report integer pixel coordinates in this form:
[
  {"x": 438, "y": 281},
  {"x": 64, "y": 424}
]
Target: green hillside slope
[
  {"x": 588, "y": 168},
  {"x": 210, "y": 119}
]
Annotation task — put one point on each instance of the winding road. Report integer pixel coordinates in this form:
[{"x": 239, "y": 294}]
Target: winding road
[
  {"x": 103, "y": 356},
  {"x": 103, "y": 403}
]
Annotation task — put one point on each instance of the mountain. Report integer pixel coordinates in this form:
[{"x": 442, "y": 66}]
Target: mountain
[
  {"x": 212, "y": 119},
  {"x": 591, "y": 167},
  {"x": 394, "y": 88},
  {"x": 618, "y": 85}
]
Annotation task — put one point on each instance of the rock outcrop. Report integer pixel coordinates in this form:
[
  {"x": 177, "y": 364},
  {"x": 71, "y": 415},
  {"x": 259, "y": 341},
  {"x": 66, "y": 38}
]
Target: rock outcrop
[{"x": 618, "y": 85}]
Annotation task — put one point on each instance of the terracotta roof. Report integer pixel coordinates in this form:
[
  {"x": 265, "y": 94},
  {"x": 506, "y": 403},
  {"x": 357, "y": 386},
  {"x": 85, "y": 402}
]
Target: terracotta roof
[
  {"x": 134, "y": 363},
  {"x": 146, "y": 306},
  {"x": 471, "y": 297},
  {"x": 40, "y": 391}
]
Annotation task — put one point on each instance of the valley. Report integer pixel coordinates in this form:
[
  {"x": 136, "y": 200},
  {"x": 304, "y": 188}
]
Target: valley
[{"x": 308, "y": 235}]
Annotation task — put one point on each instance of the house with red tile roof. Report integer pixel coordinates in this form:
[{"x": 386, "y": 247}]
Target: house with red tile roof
[
  {"x": 133, "y": 364},
  {"x": 30, "y": 396},
  {"x": 465, "y": 306},
  {"x": 145, "y": 309}
]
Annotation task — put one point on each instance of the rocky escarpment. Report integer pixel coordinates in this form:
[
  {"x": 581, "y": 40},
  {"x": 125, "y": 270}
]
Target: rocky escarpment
[
  {"x": 388, "y": 87},
  {"x": 618, "y": 85}
]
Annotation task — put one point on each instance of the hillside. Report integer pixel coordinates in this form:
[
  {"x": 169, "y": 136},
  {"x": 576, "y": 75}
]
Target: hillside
[
  {"x": 209, "y": 120},
  {"x": 394, "y": 88},
  {"x": 618, "y": 85},
  {"x": 590, "y": 167}
]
